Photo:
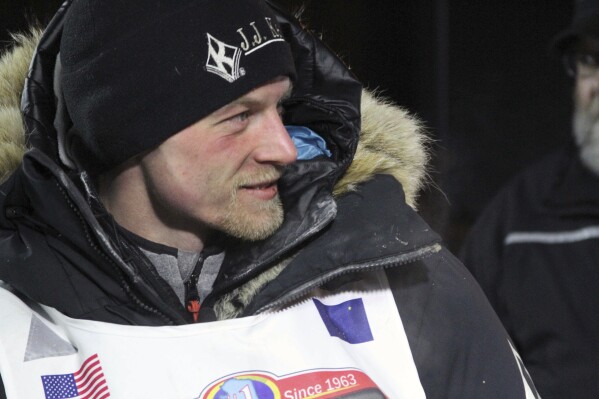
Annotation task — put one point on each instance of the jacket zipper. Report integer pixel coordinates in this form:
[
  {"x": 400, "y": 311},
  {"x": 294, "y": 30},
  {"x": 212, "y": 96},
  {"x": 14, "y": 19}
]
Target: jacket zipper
[
  {"x": 388, "y": 262},
  {"x": 192, "y": 296}
]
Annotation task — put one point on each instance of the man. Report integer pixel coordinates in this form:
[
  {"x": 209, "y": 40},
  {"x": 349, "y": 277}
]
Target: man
[
  {"x": 160, "y": 239},
  {"x": 535, "y": 250}
]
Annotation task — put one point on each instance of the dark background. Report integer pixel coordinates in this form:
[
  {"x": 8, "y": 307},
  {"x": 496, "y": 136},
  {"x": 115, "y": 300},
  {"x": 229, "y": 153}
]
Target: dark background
[{"x": 479, "y": 73}]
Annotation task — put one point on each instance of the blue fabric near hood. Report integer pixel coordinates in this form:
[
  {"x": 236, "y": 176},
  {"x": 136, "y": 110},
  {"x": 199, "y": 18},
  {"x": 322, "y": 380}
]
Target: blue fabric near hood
[{"x": 308, "y": 143}]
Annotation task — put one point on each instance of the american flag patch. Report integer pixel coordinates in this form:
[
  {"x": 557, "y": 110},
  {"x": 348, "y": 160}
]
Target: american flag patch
[{"x": 86, "y": 383}]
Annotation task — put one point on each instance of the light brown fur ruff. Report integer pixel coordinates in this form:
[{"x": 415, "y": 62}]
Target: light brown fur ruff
[
  {"x": 391, "y": 142},
  {"x": 14, "y": 65}
]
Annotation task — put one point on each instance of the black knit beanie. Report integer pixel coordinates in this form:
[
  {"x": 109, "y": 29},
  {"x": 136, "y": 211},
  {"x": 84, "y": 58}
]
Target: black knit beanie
[{"x": 135, "y": 73}]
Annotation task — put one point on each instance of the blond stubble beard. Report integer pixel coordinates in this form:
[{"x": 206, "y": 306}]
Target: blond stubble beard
[
  {"x": 255, "y": 221},
  {"x": 586, "y": 134}
]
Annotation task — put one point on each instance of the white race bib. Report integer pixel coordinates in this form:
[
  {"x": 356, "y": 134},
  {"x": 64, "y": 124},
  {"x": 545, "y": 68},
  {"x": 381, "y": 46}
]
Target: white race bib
[{"x": 347, "y": 344}]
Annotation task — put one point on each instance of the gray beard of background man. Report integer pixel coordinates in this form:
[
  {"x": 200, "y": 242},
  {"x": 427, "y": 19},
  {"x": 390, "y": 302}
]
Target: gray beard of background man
[{"x": 586, "y": 133}]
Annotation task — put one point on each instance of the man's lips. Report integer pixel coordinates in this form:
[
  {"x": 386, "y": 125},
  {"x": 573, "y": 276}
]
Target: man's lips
[{"x": 265, "y": 191}]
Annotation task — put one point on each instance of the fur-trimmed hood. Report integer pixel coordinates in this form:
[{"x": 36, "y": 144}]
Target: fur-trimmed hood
[{"x": 391, "y": 142}]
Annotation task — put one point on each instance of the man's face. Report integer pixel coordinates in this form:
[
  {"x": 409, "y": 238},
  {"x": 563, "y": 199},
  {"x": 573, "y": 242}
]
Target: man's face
[
  {"x": 586, "y": 99},
  {"x": 221, "y": 173}
]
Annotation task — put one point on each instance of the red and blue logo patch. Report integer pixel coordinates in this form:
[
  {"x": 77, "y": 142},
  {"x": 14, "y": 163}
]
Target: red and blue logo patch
[{"x": 325, "y": 384}]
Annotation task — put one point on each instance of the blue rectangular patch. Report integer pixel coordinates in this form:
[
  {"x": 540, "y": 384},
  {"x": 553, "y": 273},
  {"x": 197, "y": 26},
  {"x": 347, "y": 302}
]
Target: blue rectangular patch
[{"x": 346, "y": 320}]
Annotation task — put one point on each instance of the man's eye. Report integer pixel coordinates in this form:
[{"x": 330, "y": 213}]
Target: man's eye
[{"x": 240, "y": 117}]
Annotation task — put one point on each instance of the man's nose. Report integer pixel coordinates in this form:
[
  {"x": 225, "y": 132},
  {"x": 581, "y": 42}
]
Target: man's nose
[{"x": 276, "y": 145}]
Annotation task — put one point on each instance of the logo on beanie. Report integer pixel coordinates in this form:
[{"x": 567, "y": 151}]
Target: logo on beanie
[{"x": 224, "y": 59}]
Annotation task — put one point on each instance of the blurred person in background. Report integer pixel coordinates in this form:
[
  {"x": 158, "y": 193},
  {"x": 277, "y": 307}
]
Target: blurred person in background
[{"x": 535, "y": 248}]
